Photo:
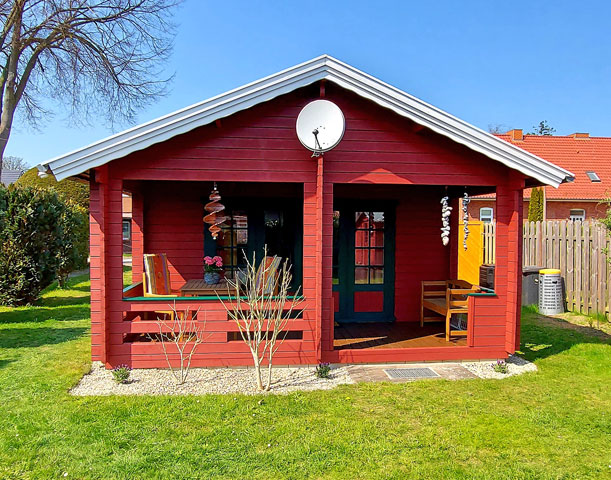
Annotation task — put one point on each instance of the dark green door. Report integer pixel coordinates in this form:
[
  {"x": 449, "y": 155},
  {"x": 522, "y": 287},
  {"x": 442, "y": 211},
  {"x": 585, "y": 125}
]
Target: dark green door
[{"x": 363, "y": 262}]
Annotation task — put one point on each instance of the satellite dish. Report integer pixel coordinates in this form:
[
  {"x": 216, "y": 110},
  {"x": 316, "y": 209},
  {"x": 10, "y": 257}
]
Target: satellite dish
[{"x": 320, "y": 126}]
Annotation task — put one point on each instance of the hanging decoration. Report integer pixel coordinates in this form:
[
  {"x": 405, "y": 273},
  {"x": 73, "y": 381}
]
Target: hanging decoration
[
  {"x": 465, "y": 218},
  {"x": 446, "y": 210},
  {"x": 215, "y": 216}
]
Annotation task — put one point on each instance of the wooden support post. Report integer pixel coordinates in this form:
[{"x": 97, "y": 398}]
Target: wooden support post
[{"x": 137, "y": 236}]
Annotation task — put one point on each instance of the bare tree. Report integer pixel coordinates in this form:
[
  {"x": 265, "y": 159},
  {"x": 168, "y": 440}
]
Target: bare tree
[
  {"x": 497, "y": 128},
  {"x": 15, "y": 163},
  {"x": 262, "y": 307},
  {"x": 97, "y": 56},
  {"x": 179, "y": 331}
]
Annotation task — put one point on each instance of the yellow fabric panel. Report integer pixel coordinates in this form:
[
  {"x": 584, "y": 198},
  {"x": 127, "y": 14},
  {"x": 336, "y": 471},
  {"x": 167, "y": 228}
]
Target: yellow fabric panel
[{"x": 471, "y": 259}]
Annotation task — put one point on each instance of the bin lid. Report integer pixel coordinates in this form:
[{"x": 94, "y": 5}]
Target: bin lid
[
  {"x": 550, "y": 271},
  {"x": 531, "y": 269}
]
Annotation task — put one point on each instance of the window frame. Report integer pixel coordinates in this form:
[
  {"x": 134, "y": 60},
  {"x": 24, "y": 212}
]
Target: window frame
[
  {"x": 577, "y": 217},
  {"x": 491, "y": 209}
]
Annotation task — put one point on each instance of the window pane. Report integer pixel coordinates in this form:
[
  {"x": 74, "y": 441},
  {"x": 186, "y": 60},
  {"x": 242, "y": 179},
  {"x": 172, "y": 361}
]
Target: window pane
[
  {"x": 378, "y": 220},
  {"x": 360, "y": 256},
  {"x": 335, "y": 276},
  {"x": 335, "y": 238},
  {"x": 361, "y": 219},
  {"x": 361, "y": 238},
  {"x": 377, "y": 275},
  {"x": 240, "y": 219},
  {"x": 360, "y": 275},
  {"x": 376, "y": 238},
  {"x": 224, "y": 238},
  {"x": 376, "y": 256}
]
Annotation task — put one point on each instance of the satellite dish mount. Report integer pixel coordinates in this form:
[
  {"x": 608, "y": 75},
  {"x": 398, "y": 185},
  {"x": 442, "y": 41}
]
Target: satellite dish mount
[{"x": 320, "y": 126}]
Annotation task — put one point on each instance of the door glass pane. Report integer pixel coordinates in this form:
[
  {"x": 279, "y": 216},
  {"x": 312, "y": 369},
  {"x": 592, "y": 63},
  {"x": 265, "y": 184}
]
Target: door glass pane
[
  {"x": 361, "y": 220},
  {"x": 378, "y": 220},
  {"x": 376, "y": 256},
  {"x": 361, "y": 238},
  {"x": 376, "y": 238},
  {"x": 360, "y": 256},
  {"x": 377, "y": 275},
  {"x": 360, "y": 275}
]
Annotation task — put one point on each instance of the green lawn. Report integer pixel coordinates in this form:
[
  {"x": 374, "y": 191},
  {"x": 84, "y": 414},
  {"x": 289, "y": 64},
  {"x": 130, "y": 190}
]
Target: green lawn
[{"x": 554, "y": 424}]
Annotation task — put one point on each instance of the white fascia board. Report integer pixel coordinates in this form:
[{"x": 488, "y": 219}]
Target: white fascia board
[{"x": 323, "y": 67}]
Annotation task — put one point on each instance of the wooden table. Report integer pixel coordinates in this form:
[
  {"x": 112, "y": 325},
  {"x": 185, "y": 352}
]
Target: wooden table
[{"x": 198, "y": 288}]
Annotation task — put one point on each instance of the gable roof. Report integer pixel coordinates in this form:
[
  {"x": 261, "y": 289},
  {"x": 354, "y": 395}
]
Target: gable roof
[
  {"x": 578, "y": 153},
  {"x": 323, "y": 67}
]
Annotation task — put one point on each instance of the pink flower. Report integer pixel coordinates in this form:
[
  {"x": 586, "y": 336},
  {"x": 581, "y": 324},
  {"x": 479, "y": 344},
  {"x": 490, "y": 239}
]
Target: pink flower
[
  {"x": 219, "y": 264},
  {"x": 217, "y": 259},
  {"x": 208, "y": 260}
]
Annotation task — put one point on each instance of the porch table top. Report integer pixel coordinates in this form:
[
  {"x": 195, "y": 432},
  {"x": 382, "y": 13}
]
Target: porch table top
[{"x": 197, "y": 287}]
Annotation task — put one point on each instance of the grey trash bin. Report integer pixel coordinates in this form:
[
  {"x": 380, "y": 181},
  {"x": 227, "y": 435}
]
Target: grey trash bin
[
  {"x": 550, "y": 292},
  {"x": 530, "y": 285}
]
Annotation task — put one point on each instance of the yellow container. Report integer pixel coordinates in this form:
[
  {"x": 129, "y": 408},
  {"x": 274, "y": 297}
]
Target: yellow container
[{"x": 550, "y": 271}]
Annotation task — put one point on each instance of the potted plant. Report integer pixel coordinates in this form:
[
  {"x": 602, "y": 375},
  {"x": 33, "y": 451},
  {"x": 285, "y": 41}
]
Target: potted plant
[{"x": 212, "y": 269}]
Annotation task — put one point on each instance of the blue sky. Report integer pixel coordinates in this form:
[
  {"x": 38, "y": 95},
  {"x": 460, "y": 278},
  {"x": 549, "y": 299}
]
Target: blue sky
[{"x": 512, "y": 63}]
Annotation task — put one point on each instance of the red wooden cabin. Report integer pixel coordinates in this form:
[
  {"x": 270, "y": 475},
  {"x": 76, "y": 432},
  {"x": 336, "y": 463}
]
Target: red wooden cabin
[{"x": 360, "y": 224}]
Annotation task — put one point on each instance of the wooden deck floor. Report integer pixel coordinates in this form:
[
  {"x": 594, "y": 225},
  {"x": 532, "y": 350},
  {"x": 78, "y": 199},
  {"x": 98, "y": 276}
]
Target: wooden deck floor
[{"x": 392, "y": 335}]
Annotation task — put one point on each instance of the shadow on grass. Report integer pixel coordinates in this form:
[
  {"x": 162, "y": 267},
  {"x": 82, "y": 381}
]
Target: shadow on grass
[
  {"x": 37, "y": 337},
  {"x": 544, "y": 336},
  {"x": 62, "y": 301},
  {"x": 5, "y": 361},
  {"x": 41, "y": 314}
]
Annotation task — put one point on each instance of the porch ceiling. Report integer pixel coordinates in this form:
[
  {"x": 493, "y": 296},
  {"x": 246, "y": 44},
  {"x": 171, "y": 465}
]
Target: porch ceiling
[{"x": 323, "y": 67}]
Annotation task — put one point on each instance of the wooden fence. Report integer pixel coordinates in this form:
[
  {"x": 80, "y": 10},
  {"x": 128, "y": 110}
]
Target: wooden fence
[{"x": 578, "y": 249}]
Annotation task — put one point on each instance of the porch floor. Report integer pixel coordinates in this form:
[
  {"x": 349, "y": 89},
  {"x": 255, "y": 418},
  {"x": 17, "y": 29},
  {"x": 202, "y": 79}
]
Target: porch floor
[{"x": 392, "y": 335}]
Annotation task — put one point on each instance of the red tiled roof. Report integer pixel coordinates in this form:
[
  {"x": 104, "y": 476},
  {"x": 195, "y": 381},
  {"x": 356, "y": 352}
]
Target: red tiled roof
[{"x": 578, "y": 155}]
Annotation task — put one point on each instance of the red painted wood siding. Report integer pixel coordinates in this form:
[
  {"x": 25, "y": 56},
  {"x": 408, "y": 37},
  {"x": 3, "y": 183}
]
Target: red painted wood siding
[{"x": 260, "y": 145}]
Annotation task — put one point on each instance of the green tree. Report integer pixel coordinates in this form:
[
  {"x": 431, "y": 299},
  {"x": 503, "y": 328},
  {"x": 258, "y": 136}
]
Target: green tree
[
  {"x": 535, "y": 205},
  {"x": 543, "y": 128},
  {"x": 31, "y": 236},
  {"x": 67, "y": 189}
]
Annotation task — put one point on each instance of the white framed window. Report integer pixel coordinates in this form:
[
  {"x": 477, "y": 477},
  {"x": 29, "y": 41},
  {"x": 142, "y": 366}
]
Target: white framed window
[
  {"x": 577, "y": 214},
  {"x": 486, "y": 214}
]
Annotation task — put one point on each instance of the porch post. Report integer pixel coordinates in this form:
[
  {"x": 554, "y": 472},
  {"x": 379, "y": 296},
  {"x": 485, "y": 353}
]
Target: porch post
[
  {"x": 106, "y": 251},
  {"x": 137, "y": 236},
  {"x": 508, "y": 281}
]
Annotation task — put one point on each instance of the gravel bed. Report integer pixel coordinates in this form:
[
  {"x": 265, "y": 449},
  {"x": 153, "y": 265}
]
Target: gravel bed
[
  {"x": 202, "y": 381},
  {"x": 516, "y": 365}
]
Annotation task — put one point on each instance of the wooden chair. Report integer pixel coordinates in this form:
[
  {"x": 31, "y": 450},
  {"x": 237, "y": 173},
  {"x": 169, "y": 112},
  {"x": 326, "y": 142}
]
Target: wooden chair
[
  {"x": 446, "y": 298},
  {"x": 269, "y": 270},
  {"x": 156, "y": 279}
]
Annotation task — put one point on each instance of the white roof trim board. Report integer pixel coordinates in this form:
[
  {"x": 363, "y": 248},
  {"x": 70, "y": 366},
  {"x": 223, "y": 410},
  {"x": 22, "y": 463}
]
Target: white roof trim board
[{"x": 323, "y": 67}]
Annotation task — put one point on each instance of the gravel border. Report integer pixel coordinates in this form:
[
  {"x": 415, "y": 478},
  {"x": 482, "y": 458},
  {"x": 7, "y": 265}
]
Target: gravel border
[
  {"x": 516, "y": 366},
  {"x": 202, "y": 381}
]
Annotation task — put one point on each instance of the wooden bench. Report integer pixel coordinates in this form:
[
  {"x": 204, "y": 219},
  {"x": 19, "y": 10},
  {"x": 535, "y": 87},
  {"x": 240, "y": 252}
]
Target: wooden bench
[{"x": 445, "y": 298}]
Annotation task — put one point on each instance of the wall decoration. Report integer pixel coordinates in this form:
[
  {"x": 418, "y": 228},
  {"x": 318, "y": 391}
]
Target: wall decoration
[
  {"x": 215, "y": 216},
  {"x": 465, "y": 218},
  {"x": 446, "y": 210}
]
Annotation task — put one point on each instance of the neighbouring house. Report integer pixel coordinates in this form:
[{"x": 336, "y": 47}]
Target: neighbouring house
[
  {"x": 8, "y": 177},
  {"x": 589, "y": 158},
  {"x": 360, "y": 224}
]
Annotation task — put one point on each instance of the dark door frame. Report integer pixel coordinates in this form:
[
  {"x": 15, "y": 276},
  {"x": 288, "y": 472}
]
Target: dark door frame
[{"x": 345, "y": 268}]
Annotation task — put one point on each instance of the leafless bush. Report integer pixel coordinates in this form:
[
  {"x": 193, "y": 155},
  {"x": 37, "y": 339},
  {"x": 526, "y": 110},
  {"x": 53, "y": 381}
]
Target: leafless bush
[
  {"x": 181, "y": 331},
  {"x": 261, "y": 306}
]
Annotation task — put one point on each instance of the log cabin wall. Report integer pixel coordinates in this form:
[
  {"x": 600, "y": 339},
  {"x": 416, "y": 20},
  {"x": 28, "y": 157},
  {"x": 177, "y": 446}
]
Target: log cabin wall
[{"x": 260, "y": 145}]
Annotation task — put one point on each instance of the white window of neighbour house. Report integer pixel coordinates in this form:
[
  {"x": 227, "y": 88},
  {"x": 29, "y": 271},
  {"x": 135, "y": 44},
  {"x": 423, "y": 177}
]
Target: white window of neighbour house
[{"x": 486, "y": 214}]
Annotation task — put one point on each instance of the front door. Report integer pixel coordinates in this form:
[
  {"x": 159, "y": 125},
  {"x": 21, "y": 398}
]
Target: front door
[{"x": 363, "y": 262}]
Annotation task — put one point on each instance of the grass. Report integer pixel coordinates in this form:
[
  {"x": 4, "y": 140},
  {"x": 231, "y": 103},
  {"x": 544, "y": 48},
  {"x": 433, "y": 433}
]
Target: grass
[{"x": 553, "y": 424}]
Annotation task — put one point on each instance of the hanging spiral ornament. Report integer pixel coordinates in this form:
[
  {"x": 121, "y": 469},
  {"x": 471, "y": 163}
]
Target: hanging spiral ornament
[
  {"x": 465, "y": 218},
  {"x": 446, "y": 210},
  {"x": 215, "y": 216}
]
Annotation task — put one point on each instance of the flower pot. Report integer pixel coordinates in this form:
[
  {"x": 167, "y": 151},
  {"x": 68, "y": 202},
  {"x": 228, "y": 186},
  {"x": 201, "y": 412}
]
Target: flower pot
[{"x": 212, "y": 278}]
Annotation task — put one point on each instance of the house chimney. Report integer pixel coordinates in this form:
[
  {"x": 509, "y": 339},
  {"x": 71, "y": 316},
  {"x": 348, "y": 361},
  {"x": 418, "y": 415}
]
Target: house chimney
[
  {"x": 516, "y": 134},
  {"x": 579, "y": 135}
]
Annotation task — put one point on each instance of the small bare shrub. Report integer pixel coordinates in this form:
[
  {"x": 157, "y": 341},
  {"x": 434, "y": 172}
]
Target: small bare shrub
[
  {"x": 261, "y": 317},
  {"x": 183, "y": 333}
]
